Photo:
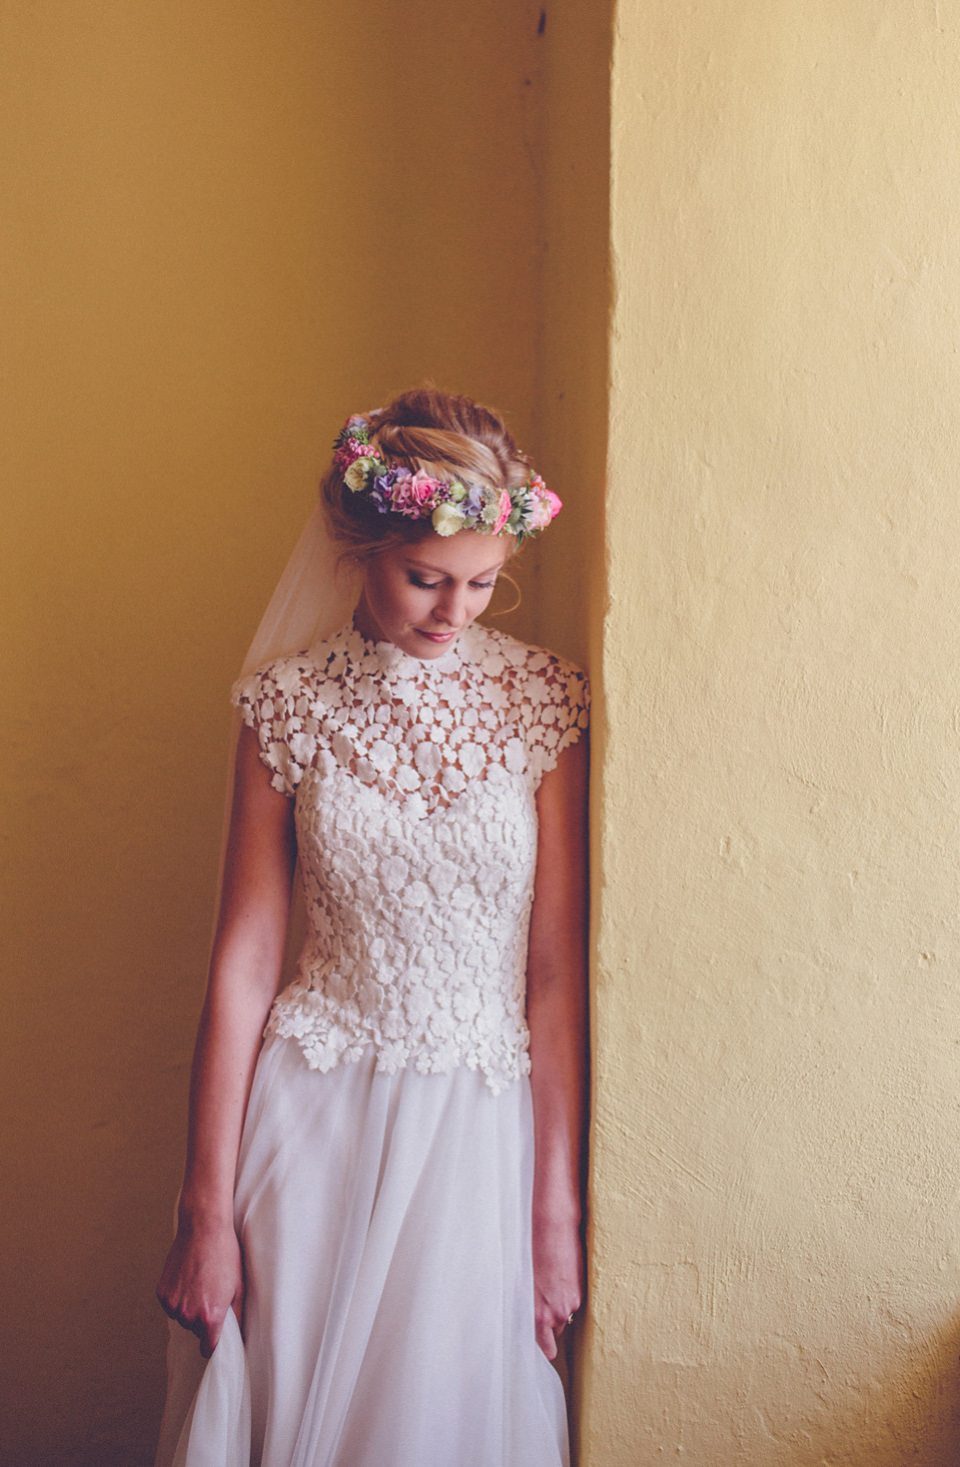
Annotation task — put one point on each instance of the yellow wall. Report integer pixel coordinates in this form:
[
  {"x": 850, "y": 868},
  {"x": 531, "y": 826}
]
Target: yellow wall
[
  {"x": 776, "y": 1166},
  {"x": 225, "y": 226},
  {"x": 573, "y": 322}
]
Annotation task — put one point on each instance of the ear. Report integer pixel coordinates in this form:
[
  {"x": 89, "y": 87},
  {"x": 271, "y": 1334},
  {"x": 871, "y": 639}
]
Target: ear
[{"x": 504, "y": 575}]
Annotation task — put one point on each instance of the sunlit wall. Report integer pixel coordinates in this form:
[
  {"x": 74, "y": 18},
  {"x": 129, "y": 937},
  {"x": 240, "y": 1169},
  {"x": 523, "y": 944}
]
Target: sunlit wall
[{"x": 776, "y": 1158}]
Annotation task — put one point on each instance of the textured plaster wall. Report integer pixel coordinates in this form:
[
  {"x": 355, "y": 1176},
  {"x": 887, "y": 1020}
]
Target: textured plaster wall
[
  {"x": 224, "y": 227},
  {"x": 776, "y": 1179}
]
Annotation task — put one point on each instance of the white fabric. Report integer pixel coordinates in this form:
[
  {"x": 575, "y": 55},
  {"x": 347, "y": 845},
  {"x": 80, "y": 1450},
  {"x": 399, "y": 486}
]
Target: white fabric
[
  {"x": 417, "y": 835},
  {"x": 385, "y": 1223},
  {"x": 385, "y": 1217}
]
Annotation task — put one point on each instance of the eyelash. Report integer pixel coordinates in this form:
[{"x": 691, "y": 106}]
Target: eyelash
[{"x": 432, "y": 585}]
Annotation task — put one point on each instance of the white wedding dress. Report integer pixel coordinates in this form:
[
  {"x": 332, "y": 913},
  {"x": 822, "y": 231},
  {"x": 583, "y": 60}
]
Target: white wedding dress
[{"x": 384, "y": 1182}]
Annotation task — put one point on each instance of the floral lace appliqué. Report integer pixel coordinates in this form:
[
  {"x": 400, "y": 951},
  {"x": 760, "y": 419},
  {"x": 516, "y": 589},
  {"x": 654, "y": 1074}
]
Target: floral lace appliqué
[{"x": 416, "y": 820}]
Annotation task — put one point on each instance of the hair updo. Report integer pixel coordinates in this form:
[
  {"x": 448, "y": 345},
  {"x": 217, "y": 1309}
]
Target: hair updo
[{"x": 437, "y": 432}]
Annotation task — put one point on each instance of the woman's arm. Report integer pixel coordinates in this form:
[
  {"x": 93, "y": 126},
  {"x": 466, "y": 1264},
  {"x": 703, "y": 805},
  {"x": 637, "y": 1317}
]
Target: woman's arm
[
  {"x": 557, "y": 1016},
  {"x": 203, "y": 1274}
]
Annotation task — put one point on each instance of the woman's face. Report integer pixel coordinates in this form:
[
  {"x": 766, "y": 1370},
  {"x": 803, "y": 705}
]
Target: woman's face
[{"x": 421, "y": 596}]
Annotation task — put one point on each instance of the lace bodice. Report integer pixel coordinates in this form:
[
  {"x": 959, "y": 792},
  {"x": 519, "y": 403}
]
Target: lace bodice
[{"x": 416, "y": 822}]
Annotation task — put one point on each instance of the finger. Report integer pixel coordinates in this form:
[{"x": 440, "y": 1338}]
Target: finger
[
  {"x": 176, "y": 1313},
  {"x": 546, "y": 1340},
  {"x": 168, "y": 1309},
  {"x": 207, "y": 1329}
]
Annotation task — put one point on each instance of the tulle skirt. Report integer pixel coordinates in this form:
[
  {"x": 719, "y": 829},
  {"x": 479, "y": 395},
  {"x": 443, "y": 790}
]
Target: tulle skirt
[{"x": 388, "y": 1319}]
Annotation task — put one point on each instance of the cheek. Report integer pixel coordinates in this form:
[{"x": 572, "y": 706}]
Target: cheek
[
  {"x": 392, "y": 600},
  {"x": 411, "y": 604}
]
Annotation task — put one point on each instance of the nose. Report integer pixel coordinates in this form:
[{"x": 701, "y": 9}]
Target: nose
[{"x": 450, "y": 609}]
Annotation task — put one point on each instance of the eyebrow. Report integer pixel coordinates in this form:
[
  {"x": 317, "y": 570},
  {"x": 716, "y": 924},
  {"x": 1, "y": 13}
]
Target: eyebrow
[{"x": 436, "y": 571}]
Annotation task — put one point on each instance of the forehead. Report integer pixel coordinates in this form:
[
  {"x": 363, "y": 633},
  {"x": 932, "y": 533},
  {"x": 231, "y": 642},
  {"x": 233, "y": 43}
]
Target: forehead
[{"x": 463, "y": 554}]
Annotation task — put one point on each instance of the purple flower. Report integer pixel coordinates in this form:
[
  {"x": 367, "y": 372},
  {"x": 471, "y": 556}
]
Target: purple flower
[
  {"x": 382, "y": 486},
  {"x": 472, "y": 506}
]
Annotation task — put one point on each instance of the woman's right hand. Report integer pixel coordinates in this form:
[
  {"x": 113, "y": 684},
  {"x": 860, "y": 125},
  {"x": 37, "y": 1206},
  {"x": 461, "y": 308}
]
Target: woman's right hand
[
  {"x": 202, "y": 1278},
  {"x": 203, "y": 1274}
]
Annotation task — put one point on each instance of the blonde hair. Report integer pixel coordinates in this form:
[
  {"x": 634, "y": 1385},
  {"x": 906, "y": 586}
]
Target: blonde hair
[{"x": 424, "y": 429}]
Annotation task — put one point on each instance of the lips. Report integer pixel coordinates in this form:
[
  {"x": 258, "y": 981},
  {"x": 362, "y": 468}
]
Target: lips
[{"x": 439, "y": 637}]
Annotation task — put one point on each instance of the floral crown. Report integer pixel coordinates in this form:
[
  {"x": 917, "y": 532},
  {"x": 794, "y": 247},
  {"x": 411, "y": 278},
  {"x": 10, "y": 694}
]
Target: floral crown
[{"x": 450, "y": 504}]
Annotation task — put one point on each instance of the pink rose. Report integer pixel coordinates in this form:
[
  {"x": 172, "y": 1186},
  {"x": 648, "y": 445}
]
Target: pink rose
[
  {"x": 413, "y": 495},
  {"x": 423, "y": 488},
  {"x": 540, "y": 515},
  {"x": 546, "y": 504},
  {"x": 504, "y": 512}
]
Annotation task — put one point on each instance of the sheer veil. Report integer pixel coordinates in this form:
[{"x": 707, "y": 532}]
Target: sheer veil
[{"x": 313, "y": 598}]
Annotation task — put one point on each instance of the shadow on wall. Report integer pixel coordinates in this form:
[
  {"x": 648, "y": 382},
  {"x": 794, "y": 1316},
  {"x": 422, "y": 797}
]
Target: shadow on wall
[
  {"x": 916, "y": 1406},
  {"x": 234, "y": 227}
]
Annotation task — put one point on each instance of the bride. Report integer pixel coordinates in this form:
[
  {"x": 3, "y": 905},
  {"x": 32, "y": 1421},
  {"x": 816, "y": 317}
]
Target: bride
[{"x": 378, "y": 1231}]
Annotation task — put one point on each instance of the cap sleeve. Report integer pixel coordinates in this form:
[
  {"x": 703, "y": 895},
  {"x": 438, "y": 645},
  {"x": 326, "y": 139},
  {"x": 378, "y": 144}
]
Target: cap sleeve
[
  {"x": 557, "y": 699},
  {"x": 273, "y": 702}
]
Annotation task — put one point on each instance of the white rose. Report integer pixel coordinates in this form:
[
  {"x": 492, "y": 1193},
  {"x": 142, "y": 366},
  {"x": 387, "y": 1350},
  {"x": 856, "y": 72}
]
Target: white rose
[
  {"x": 357, "y": 474},
  {"x": 447, "y": 519}
]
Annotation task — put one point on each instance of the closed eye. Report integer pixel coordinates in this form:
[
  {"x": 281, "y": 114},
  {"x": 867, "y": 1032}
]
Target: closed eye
[{"x": 423, "y": 585}]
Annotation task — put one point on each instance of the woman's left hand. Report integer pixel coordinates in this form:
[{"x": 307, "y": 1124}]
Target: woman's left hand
[{"x": 557, "y": 1279}]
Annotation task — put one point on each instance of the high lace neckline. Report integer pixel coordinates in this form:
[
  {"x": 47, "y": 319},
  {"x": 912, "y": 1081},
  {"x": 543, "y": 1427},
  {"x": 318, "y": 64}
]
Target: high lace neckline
[{"x": 392, "y": 662}]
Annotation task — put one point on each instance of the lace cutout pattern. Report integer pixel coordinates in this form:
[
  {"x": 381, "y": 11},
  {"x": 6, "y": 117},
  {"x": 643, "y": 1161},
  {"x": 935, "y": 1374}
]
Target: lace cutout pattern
[
  {"x": 417, "y": 731},
  {"x": 417, "y": 832}
]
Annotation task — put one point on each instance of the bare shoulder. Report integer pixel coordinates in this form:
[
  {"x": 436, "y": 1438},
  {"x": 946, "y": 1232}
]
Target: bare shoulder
[{"x": 262, "y": 842}]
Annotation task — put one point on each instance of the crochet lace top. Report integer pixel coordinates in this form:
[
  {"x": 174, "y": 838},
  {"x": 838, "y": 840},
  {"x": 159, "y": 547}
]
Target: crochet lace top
[{"x": 416, "y": 819}]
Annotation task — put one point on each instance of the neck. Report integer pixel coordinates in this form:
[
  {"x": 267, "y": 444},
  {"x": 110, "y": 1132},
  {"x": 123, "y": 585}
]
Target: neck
[{"x": 365, "y": 621}]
